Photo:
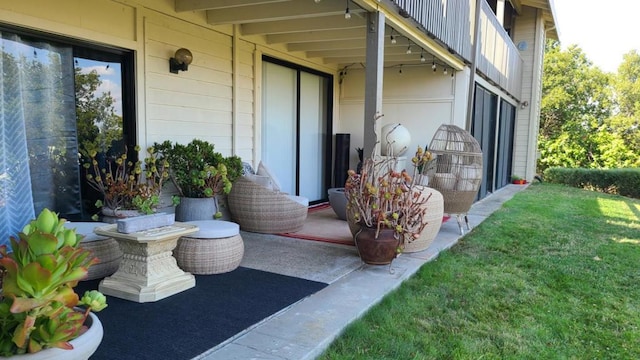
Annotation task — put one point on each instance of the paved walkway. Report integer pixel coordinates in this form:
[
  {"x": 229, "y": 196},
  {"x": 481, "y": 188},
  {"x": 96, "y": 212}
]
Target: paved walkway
[{"x": 305, "y": 329}]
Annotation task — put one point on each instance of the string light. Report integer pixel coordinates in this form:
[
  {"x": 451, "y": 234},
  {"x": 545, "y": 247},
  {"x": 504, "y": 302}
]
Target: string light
[
  {"x": 393, "y": 37},
  {"x": 433, "y": 66},
  {"x": 445, "y": 71},
  {"x": 409, "y": 48},
  {"x": 347, "y": 13},
  {"x": 317, "y": 1},
  {"x": 400, "y": 71},
  {"x": 422, "y": 59}
]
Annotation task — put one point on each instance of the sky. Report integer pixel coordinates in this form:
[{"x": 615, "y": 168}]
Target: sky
[{"x": 604, "y": 30}]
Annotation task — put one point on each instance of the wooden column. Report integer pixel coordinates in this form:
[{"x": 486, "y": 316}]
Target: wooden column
[{"x": 373, "y": 80}]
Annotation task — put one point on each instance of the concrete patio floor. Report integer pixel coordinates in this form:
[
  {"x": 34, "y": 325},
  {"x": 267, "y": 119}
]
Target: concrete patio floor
[{"x": 305, "y": 329}]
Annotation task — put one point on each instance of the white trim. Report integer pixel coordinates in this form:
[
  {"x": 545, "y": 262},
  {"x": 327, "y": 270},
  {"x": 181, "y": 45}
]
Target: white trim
[
  {"x": 402, "y": 101},
  {"x": 496, "y": 90},
  {"x": 257, "y": 110},
  {"x": 235, "y": 84},
  {"x": 532, "y": 143}
]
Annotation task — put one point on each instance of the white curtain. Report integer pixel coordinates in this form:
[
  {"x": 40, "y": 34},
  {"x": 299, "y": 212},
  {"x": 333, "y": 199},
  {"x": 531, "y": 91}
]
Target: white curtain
[{"x": 16, "y": 201}]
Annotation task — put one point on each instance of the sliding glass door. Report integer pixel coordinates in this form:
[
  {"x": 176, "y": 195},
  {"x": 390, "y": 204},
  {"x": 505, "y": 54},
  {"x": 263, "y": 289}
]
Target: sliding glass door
[
  {"x": 58, "y": 96},
  {"x": 295, "y": 125}
]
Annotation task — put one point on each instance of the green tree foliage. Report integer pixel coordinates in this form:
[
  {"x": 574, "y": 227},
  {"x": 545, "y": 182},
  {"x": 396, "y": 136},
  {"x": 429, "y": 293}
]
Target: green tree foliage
[
  {"x": 98, "y": 124},
  {"x": 626, "y": 122},
  {"x": 579, "y": 124}
]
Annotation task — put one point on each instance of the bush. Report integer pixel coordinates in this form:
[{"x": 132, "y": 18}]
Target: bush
[{"x": 625, "y": 182}]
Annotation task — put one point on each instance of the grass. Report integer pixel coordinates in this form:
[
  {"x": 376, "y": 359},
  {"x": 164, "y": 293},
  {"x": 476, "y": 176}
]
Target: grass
[{"x": 554, "y": 274}]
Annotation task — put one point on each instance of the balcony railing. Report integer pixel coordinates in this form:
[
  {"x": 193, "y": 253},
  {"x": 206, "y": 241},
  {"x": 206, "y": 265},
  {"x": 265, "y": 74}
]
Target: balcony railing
[
  {"x": 450, "y": 22},
  {"x": 498, "y": 57},
  {"x": 446, "y": 21}
]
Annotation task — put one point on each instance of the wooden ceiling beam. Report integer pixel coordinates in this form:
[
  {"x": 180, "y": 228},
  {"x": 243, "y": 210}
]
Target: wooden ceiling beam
[
  {"x": 197, "y": 5},
  {"x": 322, "y": 35},
  {"x": 276, "y": 12},
  {"x": 301, "y": 25}
]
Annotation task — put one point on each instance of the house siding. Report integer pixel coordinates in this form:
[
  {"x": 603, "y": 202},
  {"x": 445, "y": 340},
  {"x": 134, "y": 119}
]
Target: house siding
[
  {"x": 199, "y": 103},
  {"x": 219, "y": 98},
  {"x": 528, "y": 30}
]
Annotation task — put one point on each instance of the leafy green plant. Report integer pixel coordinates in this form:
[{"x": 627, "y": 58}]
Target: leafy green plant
[
  {"x": 39, "y": 308},
  {"x": 124, "y": 184},
  {"x": 197, "y": 170}
]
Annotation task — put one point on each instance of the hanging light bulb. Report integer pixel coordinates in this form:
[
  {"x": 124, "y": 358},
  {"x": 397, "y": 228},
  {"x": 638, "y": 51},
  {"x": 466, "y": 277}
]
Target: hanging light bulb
[
  {"x": 453, "y": 72},
  {"x": 445, "y": 71},
  {"x": 393, "y": 37},
  {"x": 317, "y": 1},
  {"x": 433, "y": 66},
  {"x": 400, "y": 71},
  {"x": 347, "y": 13},
  {"x": 422, "y": 59}
]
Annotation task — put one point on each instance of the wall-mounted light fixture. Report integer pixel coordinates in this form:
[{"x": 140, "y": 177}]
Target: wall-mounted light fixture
[
  {"x": 180, "y": 61},
  {"x": 524, "y": 104}
]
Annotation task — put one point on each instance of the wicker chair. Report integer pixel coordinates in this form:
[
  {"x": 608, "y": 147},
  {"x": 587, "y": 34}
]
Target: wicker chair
[
  {"x": 458, "y": 170},
  {"x": 258, "y": 209}
]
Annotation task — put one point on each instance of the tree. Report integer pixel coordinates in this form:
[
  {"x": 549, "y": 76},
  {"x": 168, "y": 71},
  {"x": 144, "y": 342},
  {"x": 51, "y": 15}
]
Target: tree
[
  {"x": 626, "y": 122},
  {"x": 98, "y": 124},
  {"x": 576, "y": 123}
]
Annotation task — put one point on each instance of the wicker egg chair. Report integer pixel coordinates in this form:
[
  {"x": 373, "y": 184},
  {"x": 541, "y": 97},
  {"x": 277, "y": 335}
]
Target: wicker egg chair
[{"x": 458, "y": 172}]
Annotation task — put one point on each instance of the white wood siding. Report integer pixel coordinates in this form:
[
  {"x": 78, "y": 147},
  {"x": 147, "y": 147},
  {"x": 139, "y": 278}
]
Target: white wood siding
[
  {"x": 191, "y": 103},
  {"x": 525, "y": 30}
]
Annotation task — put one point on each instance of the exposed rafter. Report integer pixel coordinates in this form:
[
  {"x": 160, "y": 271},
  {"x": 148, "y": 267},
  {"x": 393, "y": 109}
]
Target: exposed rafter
[{"x": 320, "y": 30}]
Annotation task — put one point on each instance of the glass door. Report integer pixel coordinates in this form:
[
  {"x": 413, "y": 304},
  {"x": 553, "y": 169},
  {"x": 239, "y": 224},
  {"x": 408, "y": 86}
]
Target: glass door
[{"x": 295, "y": 125}]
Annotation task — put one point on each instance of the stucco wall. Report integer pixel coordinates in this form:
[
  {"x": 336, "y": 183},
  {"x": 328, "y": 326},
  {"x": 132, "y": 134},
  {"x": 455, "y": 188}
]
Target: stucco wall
[{"x": 419, "y": 99}]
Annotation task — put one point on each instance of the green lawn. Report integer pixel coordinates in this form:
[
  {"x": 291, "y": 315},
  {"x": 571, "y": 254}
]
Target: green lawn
[{"x": 554, "y": 274}]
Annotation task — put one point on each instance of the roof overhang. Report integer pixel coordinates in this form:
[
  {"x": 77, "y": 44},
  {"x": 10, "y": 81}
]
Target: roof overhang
[{"x": 548, "y": 14}]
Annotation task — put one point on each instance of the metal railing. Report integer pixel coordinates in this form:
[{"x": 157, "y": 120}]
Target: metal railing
[
  {"x": 450, "y": 22},
  {"x": 498, "y": 57},
  {"x": 444, "y": 20}
]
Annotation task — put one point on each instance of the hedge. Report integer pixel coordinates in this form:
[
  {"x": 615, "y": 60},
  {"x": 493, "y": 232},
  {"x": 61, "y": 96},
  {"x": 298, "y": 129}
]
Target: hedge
[{"x": 625, "y": 182}]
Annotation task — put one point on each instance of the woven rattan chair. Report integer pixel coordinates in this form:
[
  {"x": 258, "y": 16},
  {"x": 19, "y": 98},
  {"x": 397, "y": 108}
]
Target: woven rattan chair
[
  {"x": 458, "y": 170},
  {"x": 258, "y": 209}
]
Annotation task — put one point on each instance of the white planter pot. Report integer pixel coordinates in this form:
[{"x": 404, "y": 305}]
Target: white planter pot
[{"x": 83, "y": 346}]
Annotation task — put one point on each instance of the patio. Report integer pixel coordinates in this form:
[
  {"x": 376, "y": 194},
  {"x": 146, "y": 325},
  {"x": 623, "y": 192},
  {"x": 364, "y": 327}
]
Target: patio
[{"x": 305, "y": 329}]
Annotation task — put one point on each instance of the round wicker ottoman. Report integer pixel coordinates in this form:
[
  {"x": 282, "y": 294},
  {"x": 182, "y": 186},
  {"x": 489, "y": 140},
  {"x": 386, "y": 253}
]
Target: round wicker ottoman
[
  {"x": 104, "y": 248},
  {"x": 216, "y": 248}
]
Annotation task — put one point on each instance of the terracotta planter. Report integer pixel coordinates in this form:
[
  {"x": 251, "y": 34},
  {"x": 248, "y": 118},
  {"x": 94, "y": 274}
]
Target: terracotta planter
[
  {"x": 83, "y": 346},
  {"x": 377, "y": 251}
]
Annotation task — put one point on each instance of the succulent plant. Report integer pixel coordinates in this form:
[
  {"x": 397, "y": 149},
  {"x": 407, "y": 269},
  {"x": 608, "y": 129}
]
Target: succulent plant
[{"x": 38, "y": 306}]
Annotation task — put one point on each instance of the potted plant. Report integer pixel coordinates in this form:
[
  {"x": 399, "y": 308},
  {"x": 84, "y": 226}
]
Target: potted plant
[
  {"x": 39, "y": 310},
  {"x": 127, "y": 188},
  {"x": 384, "y": 210},
  {"x": 515, "y": 179},
  {"x": 424, "y": 165},
  {"x": 200, "y": 175}
]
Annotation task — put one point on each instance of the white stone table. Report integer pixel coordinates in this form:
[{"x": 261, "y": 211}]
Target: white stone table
[{"x": 148, "y": 271}]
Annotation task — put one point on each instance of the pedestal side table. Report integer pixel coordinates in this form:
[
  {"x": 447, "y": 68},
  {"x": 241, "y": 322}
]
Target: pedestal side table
[{"x": 147, "y": 272}]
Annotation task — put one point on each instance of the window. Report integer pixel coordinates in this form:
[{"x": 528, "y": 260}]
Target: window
[{"x": 60, "y": 96}]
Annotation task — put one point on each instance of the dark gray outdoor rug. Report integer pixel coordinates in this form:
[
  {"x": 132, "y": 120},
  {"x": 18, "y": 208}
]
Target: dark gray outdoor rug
[{"x": 191, "y": 322}]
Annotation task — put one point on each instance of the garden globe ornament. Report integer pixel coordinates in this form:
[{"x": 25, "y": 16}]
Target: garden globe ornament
[{"x": 395, "y": 140}]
